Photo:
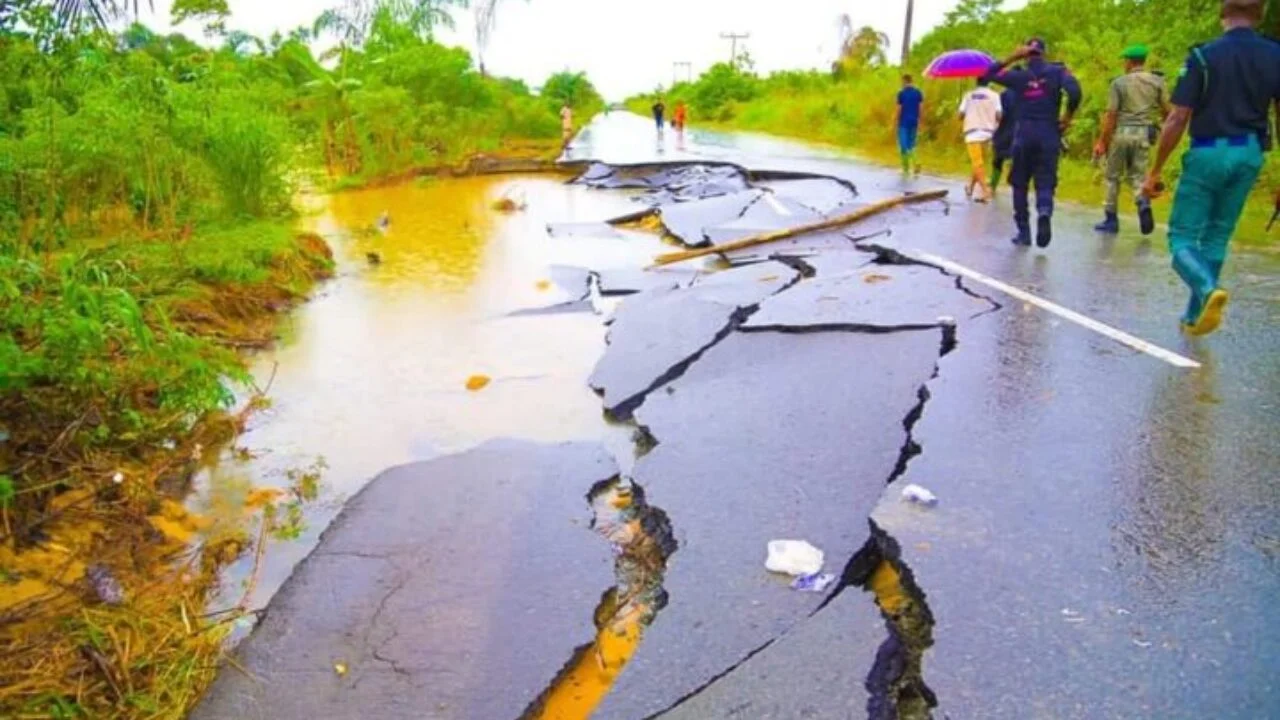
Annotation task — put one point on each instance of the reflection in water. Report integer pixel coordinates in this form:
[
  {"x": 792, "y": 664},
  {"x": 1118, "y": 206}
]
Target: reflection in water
[
  {"x": 437, "y": 234},
  {"x": 1175, "y": 525},
  {"x": 641, "y": 537},
  {"x": 373, "y": 371}
]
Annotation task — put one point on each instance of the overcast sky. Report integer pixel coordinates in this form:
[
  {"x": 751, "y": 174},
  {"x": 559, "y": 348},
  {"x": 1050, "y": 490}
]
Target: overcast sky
[{"x": 628, "y": 46}]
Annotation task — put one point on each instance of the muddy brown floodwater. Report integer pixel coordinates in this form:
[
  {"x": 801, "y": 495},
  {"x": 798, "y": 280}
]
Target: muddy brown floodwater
[{"x": 373, "y": 371}]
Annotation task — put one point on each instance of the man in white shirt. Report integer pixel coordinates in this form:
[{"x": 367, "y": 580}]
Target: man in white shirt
[{"x": 981, "y": 113}]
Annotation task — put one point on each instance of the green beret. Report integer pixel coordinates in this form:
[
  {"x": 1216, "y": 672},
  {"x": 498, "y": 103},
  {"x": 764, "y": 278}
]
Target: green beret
[{"x": 1135, "y": 52}]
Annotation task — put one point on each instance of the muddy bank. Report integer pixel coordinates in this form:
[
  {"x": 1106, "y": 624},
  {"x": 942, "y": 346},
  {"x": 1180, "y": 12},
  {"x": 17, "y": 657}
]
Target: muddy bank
[{"x": 103, "y": 588}]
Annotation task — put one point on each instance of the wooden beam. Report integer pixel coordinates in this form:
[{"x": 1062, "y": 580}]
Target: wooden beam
[{"x": 827, "y": 224}]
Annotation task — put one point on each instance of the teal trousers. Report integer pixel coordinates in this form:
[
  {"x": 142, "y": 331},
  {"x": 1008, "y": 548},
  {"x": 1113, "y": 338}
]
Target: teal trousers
[{"x": 1216, "y": 181}]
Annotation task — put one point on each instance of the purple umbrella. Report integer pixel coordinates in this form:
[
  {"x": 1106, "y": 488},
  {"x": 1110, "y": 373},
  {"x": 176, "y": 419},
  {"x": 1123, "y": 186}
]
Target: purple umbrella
[{"x": 959, "y": 64}]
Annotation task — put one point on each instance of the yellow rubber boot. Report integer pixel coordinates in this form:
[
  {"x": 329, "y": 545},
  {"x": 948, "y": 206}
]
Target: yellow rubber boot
[{"x": 1215, "y": 305}]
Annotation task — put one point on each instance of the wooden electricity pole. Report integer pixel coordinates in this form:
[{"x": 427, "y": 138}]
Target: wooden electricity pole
[
  {"x": 733, "y": 48},
  {"x": 906, "y": 34}
]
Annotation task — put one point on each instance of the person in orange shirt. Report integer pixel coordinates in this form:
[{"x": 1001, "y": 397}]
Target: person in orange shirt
[{"x": 678, "y": 118}]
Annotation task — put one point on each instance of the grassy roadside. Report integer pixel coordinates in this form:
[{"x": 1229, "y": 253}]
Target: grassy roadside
[{"x": 116, "y": 361}]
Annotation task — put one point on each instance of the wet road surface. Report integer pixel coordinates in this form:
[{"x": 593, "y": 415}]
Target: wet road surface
[{"x": 1105, "y": 544}]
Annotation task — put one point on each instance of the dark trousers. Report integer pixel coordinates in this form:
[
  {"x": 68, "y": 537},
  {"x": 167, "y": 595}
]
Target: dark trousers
[{"x": 1036, "y": 148}]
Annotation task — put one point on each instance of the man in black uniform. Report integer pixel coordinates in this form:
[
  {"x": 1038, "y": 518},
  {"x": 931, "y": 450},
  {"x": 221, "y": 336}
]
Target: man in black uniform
[
  {"x": 1037, "y": 136},
  {"x": 1223, "y": 93}
]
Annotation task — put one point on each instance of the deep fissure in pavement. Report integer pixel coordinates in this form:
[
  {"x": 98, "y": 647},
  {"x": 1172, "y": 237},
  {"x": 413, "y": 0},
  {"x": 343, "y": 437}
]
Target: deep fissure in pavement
[
  {"x": 642, "y": 540},
  {"x": 895, "y": 682}
]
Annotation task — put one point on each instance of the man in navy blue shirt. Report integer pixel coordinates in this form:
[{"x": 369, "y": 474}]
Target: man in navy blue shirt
[
  {"x": 1223, "y": 93},
  {"x": 910, "y": 101},
  {"x": 1037, "y": 137}
]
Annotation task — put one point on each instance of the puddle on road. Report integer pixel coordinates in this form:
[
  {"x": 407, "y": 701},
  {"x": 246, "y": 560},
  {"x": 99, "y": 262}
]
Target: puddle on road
[
  {"x": 372, "y": 372},
  {"x": 642, "y": 541}
]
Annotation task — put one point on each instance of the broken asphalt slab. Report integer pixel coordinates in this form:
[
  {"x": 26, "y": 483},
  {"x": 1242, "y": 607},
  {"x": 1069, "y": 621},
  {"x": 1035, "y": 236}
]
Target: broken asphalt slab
[
  {"x": 766, "y": 436},
  {"x": 688, "y": 222},
  {"x": 824, "y": 196},
  {"x": 435, "y": 579},
  {"x": 1079, "y": 575},
  {"x": 630, "y": 280},
  {"x": 874, "y": 296},
  {"x": 814, "y": 671},
  {"x": 654, "y": 335}
]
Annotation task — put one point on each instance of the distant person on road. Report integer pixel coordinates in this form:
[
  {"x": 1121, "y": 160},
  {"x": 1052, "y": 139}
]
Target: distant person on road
[
  {"x": 659, "y": 109},
  {"x": 980, "y": 111},
  {"x": 910, "y": 102},
  {"x": 1037, "y": 137},
  {"x": 566, "y": 123},
  {"x": 1003, "y": 141},
  {"x": 1223, "y": 93},
  {"x": 679, "y": 117},
  {"x": 1136, "y": 99}
]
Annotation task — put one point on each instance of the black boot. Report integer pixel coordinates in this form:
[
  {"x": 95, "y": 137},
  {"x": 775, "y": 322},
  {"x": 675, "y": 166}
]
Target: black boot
[
  {"x": 1044, "y": 231},
  {"x": 1146, "y": 220},
  {"x": 1110, "y": 224},
  {"x": 1024, "y": 235}
]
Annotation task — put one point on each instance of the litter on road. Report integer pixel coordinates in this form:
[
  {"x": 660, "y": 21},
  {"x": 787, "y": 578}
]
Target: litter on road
[
  {"x": 818, "y": 582},
  {"x": 793, "y": 557},
  {"x": 915, "y": 494}
]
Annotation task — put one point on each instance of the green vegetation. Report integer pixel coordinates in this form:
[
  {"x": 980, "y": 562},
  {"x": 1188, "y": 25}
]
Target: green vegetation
[
  {"x": 853, "y": 105},
  {"x": 145, "y": 238}
]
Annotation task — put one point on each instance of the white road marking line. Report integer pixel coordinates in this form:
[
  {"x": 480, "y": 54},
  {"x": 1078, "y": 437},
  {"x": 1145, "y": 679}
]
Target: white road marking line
[
  {"x": 777, "y": 206},
  {"x": 1119, "y": 336}
]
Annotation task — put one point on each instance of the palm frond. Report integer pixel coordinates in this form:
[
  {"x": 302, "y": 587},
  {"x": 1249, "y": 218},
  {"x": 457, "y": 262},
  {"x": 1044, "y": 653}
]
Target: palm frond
[{"x": 70, "y": 11}]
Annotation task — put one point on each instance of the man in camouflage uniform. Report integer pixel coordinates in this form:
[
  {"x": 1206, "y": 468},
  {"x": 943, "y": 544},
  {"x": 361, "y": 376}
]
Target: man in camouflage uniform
[{"x": 1137, "y": 101}]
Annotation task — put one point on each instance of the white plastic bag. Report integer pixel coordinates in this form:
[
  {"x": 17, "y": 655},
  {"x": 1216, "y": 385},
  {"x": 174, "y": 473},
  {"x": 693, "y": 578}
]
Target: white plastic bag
[
  {"x": 918, "y": 495},
  {"x": 793, "y": 557}
]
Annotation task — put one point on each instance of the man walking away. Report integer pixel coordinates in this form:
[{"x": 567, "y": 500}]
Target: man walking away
[
  {"x": 679, "y": 117},
  {"x": 1003, "y": 141},
  {"x": 658, "y": 110},
  {"x": 981, "y": 112},
  {"x": 1223, "y": 93},
  {"x": 910, "y": 102},
  {"x": 1132, "y": 105},
  {"x": 1037, "y": 138}
]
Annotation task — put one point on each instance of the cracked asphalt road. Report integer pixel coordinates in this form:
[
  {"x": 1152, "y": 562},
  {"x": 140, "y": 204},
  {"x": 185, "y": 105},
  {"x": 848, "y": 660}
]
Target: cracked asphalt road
[{"x": 1106, "y": 545}]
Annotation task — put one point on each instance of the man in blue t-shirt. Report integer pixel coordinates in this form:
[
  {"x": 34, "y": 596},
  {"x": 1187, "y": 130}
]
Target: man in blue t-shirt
[{"x": 910, "y": 100}]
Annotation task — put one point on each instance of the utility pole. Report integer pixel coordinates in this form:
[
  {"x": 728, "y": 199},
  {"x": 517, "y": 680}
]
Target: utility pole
[
  {"x": 733, "y": 49},
  {"x": 906, "y": 34},
  {"x": 675, "y": 71}
]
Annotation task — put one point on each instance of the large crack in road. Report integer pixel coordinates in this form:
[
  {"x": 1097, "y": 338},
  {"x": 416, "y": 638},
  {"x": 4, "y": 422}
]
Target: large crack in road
[
  {"x": 895, "y": 682},
  {"x": 772, "y": 399}
]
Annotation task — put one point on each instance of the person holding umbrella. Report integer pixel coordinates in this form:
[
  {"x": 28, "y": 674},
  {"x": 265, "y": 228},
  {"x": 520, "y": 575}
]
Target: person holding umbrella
[
  {"x": 980, "y": 110},
  {"x": 1132, "y": 105},
  {"x": 975, "y": 64},
  {"x": 1037, "y": 139}
]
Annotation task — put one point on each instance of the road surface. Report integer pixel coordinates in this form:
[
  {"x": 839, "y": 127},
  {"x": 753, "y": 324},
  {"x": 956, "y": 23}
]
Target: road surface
[{"x": 1105, "y": 543}]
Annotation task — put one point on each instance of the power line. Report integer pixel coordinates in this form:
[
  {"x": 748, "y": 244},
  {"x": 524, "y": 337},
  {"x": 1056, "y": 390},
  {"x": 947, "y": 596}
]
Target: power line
[{"x": 733, "y": 48}]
